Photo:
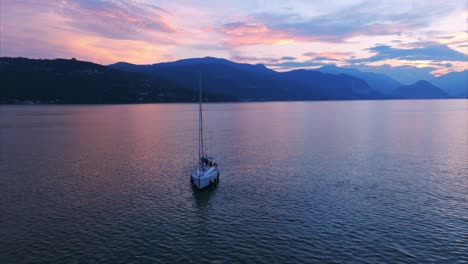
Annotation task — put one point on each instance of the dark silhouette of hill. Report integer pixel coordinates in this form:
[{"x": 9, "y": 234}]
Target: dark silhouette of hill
[
  {"x": 419, "y": 90},
  {"x": 223, "y": 78},
  {"x": 73, "y": 81},
  {"x": 256, "y": 68},
  {"x": 377, "y": 81},
  {"x": 256, "y": 82},
  {"x": 454, "y": 83},
  {"x": 324, "y": 86}
]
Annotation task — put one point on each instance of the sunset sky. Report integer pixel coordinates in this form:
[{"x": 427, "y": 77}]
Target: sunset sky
[{"x": 383, "y": 36}]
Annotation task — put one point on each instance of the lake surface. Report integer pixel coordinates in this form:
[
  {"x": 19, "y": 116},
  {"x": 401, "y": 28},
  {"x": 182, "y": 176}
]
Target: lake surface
[{"x": 301, "y": 182}]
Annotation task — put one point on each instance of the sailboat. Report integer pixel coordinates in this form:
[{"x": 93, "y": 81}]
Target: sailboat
[{"x": 206, "y": 172}]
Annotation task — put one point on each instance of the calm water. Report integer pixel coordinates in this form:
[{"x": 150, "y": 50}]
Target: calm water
[{"x": 303, "y": 182}]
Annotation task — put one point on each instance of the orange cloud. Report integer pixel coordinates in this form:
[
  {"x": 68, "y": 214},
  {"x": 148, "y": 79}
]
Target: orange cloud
[
  {"x": 98, "y": 31},
  {"x": 105, "y": 51}
]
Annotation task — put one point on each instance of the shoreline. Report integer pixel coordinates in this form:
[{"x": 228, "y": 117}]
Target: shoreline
[{"x": 222, "y": 102}]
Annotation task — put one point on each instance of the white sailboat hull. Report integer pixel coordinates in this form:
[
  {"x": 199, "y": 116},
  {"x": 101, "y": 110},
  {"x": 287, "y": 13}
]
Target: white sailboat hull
[{"x": 204, "y": 178}]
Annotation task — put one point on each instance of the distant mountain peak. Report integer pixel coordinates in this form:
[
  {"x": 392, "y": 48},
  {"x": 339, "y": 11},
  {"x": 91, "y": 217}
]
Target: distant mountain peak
[
  {"x": 423, "y": 82},
  {"x": 377, "y": 81},
  {"x": 121, "y": 63},
  {"x": 213, "y": 58},
  {"x": 454, "y": 83},
  {"x": 330, "y": 66},
  {"x": 192, "y": 61},
  {"x": 421, "y": 89}
]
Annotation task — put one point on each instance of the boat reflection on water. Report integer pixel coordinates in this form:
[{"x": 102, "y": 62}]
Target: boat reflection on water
[{"x": 203, "y": 196}]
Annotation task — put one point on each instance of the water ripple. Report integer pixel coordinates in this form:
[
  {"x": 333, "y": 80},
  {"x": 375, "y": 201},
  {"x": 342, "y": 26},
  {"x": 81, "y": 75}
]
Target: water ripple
[{"x": 84, "y": 184}]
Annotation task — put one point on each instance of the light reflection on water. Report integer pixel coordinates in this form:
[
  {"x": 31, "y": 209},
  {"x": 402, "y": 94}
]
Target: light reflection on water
[{"x": 305, "y": 182}]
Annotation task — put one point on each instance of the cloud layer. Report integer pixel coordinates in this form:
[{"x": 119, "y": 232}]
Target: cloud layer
[
  {"x": 432, "y": 52},
  {"x": 116, "y": 19},
  {"x": 428, "y": 35}
]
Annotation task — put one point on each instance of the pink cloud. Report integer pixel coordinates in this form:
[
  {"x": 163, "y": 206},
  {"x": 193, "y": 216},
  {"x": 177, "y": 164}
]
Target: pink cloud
[
  {"x": 240, "y": 29},
  {"x": 245, "y": 34},
  {"x": 117, "y": 20},
  {"x": 255, "y": 33},
  {"x": 106, "y": 31},
  {"x": 99, "y": 31},
  {"x": 329, "y": 55}
]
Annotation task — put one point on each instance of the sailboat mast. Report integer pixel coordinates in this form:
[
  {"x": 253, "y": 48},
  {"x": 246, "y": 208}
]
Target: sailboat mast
[{"x": 200, "y": 143}]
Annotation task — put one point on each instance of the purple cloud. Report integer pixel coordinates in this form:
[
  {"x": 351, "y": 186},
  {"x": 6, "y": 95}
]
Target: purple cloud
[
  {"x": 297, "y": 64},
  {"x": 126, "y": 20},
  {"x": 340, "y": 25},
  {"x": 432, "y": 52}
]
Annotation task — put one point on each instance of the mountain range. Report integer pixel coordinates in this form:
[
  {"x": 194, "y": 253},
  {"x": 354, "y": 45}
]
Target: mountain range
[
  {"x": 377, "y": 81},
  {"x": 77, "y": 82},
  {"x": 73, "y": 81},
  {"x": 249, "y": 82},
  {"x": 454, "y": 83},
  {"x": 419, "y": 90}
]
